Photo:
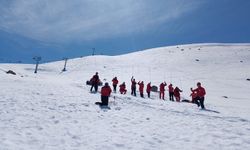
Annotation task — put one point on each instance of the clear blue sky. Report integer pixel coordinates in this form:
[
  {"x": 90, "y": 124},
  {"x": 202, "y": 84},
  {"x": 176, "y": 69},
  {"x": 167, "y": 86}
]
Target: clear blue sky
[{"x": 63, "y": 28}]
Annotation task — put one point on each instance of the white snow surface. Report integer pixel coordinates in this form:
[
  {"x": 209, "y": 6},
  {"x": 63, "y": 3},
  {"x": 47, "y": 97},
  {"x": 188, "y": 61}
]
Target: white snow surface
[{"x": 54, "y": 110}]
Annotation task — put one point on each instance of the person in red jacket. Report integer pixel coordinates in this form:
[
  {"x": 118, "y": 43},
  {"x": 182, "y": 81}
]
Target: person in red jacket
[
  {"x": 105, "y": 93},
  {"x": 171, "y": 92},
  {"x": 193, "y": 96},
  {"x": 162, "y": 90},
  {"x": 177, "y": 94},
  {"x": 123, "y": 88},
  {"x": 115, "y": 82},
  {"x": 201, "y": 92},
  {"x": 133, "y": 86},
  {"x": 94, "y": 82},
  {"x": 148, "y": 90},
  {"x": 141, "y": 87}
]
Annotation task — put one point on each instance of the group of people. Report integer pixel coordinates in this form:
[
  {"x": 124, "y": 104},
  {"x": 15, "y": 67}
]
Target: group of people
[{"x": 198, "y": 94}]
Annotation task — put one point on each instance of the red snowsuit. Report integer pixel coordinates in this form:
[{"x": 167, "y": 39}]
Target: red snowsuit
[
  {"x": 171, "y": 92},
  {"x": 162, "y": 90},
  {"x": 123, "y": 89},
  {"x": 141, "y": 87},
  {"x": 177, "y": 94},
  {"x": 133, "y": 87},
  {"x": 148, "y": 88}
]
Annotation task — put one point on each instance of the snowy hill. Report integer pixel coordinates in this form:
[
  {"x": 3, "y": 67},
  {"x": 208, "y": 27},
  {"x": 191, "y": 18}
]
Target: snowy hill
[{"x": 55, "y": 110}]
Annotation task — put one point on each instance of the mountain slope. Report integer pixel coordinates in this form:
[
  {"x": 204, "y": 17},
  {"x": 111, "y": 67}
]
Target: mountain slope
[{"x": 54, "y": 110}]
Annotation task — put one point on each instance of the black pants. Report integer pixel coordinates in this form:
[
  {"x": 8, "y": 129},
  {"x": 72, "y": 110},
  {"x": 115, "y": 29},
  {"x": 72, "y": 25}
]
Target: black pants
[
  {"x": 200, "y": 102},
  {"x": 133, "y": 92},
  {"x": 171, "y": 96},
  {"x": 114, "y": 86},
  {"x": 95, "y": 86},
  {"x": 142, "y": 95},
  {"x": 105, "y": 100},
  {"x": 148, "y": 94}
]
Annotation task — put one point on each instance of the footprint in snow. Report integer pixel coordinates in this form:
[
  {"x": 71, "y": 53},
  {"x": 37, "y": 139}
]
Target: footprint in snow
[
  {"x": 118, "y": 108},
  {"x": 85, "y": 104}
]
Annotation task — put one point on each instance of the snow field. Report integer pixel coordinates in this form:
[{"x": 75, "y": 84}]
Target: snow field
[{"x": 53, "y": 110}]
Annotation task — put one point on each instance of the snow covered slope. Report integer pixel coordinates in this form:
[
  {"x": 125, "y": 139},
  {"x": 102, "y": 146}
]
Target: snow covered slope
[{"x": 54, "y": 110}]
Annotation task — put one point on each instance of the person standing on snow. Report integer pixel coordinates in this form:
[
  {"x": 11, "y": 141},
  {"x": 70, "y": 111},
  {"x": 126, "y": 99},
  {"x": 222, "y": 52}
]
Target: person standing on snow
[
  {"x": 133, "y": 86},
  {"x": 171, "y": 92},
  {"x": 141, "y": 87},
  {"x": 105, "y": 93},
  {"x": 162, "y": 90},
  {"x": 94, "y": 82},
  {"x": 177, "y": 94},
  {"x": 123, "y": 88},
  {"x": 115, "y": 82},
  {"x": 201, "y": 92},
  {"x": 149, "y": 89}
]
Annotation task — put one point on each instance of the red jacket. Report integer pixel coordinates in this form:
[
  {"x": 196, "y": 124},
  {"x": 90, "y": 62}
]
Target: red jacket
[
  {"x": 141, "y": 86},
  {"x": 177, "y": 92},
  {"x": 106, "y": 91},
  {"x": 115, "y": 81},
  {"x": 162, "y": 87},
  {"x": 122, "y": 88},
  {"x": 193, "y": 95},
  {"x": 170, "y": 88},
  {"x": 95, "y": 79},
  {"x": 133, "y": 85},
  {"x": 201, "y": 92},
  {"x": 148, "y": 87}
]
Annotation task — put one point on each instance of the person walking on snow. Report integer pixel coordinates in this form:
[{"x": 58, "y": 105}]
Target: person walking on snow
[
  {"x": 105, "y": 93},
  {"x": 94, "y": 82},
  {"x": 123, "y": 88},
  {"x": 133, "y": 86},
  {"x": 115, "y": 82},
  {"x": 177, "y": 94},
  {"x": 141, "y": 87},
  {"x": 148, "y": 90},
  {"x": 162, "y": 90},
  {"x": 171, "y": 92},
  {"x": 201, "y": 92}
]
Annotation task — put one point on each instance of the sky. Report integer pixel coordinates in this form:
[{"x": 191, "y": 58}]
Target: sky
[{"x": 62, "y": 28}]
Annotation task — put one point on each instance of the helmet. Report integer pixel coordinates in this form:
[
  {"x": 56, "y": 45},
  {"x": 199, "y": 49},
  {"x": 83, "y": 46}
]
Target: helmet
[{"x": 106, "y": 84}]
